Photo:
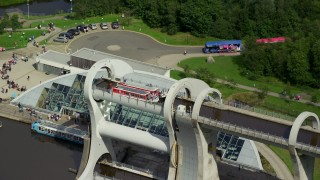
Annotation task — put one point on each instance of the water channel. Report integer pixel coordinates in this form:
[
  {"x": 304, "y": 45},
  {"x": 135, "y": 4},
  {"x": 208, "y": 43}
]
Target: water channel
[
  {"x": 25, "y": 155},
  {"x": 39, "y": 7}
]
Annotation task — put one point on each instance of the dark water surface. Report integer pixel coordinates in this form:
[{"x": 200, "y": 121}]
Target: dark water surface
[
  {"x": 41, "y": 7},
  {"x": 25, "y": 155}
]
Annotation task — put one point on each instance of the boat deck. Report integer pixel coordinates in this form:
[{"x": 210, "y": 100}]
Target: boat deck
[{"x": 62, "y": 128}]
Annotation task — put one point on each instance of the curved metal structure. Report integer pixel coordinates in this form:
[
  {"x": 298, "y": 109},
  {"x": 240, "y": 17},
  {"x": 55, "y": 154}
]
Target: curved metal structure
[
  {"x": 198, "y": 102},
  {"x": 303, "y": 165}
]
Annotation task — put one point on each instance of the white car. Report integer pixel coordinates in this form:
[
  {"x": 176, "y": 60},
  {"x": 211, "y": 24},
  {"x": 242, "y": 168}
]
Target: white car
[
  {"x": 93, "y": 26},
  {"x": 104, "y": 25},
  {"x": 61, "y": 39}
]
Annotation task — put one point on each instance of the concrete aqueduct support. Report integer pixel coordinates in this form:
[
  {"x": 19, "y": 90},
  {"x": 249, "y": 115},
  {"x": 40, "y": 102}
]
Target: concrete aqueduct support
[
  {"x": 180, "y": 140},
  {"x": 98, "y": 146},
  {"x": 303, "y": 164}
]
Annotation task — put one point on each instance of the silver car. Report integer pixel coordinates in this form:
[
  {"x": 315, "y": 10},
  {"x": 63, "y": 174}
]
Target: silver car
[
  {"x": 104, "y": 25},
  {"x": 61, "y": 39},
  {"x": 93, "y": 26}
]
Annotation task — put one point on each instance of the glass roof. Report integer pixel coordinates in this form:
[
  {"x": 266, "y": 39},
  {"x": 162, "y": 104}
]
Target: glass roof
[
  {"x": 60, "y": 96},
  {"x": 232, "y": 145},
  {"x": 138, "y": 119}
]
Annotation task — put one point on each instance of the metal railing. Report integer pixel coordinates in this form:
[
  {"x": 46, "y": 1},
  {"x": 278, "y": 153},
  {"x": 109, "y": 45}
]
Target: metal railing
[
  {"x": 146, "y": 172},
  {"x": 257, "y": 134},
  {"x": 244, "y": 106}
]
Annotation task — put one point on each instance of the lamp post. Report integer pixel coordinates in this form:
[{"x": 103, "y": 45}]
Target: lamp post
[
  {"x": 71, "y": 6},
  {"x": 28, "y": 7}
]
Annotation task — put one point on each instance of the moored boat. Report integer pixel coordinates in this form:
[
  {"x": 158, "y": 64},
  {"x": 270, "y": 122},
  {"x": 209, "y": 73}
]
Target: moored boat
[{"x": 58, "y": 131}]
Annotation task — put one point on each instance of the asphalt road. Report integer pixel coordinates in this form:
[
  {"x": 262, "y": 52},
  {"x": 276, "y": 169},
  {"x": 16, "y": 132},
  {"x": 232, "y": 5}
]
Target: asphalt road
[{"x": 132, "y": 45}]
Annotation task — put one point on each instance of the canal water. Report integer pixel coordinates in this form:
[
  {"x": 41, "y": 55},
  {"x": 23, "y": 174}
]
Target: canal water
[
  {"x": 39, "y": 7},
  {"x": 26, "y": 155}
]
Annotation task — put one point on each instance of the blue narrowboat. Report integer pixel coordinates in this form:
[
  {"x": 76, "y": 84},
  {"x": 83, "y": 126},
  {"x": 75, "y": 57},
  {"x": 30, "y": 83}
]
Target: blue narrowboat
[{"x": 58, "y": 131}]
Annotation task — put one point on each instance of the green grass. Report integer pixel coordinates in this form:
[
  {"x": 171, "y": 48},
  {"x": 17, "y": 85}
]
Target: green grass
[
  {"x": 21, "y": 41},
  {"x": 225, "y": 90},
  {"x": 11, "y": 2},
  {"x": 293, "y": 108},
  {"x": 286, "y": 158},
  {"x": 177, "y": 39},
  {"x": 226, "y": 68}
]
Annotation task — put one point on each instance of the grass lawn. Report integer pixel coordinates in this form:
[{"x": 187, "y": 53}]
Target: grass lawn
[
  {"x": 285, "y": 156},
  {"x": 225, "y": 90},
  {"x": 21, "y": 41},
  {"x": 178, "y": 39},
  {"x": 293, "y": 108},
  {"x": 11, "y": 2},
  {"x": 225, "y": 68}
]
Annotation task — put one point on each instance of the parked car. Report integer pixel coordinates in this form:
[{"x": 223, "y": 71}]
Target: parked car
[
  {"x": 115, "y": 25},
  {"x": 74, "y": 32},
  {"x": 67, "y": 35},
  {"x": 104, "y": 25},
  {"x": 61, "y": 39},
  {"x": 83, "y": 28},
  {"x": 2, "y": 49},
  {"x": 93, "y": 26}
]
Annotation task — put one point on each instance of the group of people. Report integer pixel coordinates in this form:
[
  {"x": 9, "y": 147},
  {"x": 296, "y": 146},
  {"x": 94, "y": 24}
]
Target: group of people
[
  {"x": 6, "y": 66},
  {"x": 55, "y": 117}
]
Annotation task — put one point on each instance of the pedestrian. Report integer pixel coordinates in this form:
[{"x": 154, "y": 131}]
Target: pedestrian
[
  {"x": 28, "y": 78},
  {"x": 6, "y": 90},
  {"x": 185, "y": 52}
]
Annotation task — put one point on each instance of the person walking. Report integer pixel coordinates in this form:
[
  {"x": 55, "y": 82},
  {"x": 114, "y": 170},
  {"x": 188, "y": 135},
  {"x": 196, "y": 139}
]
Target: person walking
[{"x": 28, "y": 78}]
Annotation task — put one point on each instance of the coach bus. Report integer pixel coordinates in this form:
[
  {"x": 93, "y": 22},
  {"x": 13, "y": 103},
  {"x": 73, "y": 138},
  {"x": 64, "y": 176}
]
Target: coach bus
[{"x": 222, "y": 46}]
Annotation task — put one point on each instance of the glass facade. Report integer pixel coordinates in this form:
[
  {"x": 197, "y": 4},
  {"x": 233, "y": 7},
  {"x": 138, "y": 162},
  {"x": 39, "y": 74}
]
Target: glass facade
[
  {"x": 61, "y": 97},
  {"x": 138, "y": 119}
]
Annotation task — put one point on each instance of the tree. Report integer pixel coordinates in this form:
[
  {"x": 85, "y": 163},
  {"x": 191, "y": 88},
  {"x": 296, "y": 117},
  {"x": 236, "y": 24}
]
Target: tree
[
  {"x": 15, "y": 24},
  {"x": 315, "y": 63},
  {"x": 262, "y": 93},
  {"x": 187, "y": 70},
  {"x": 205, "y": 75},
  {"x": 298, "y": 64}
]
